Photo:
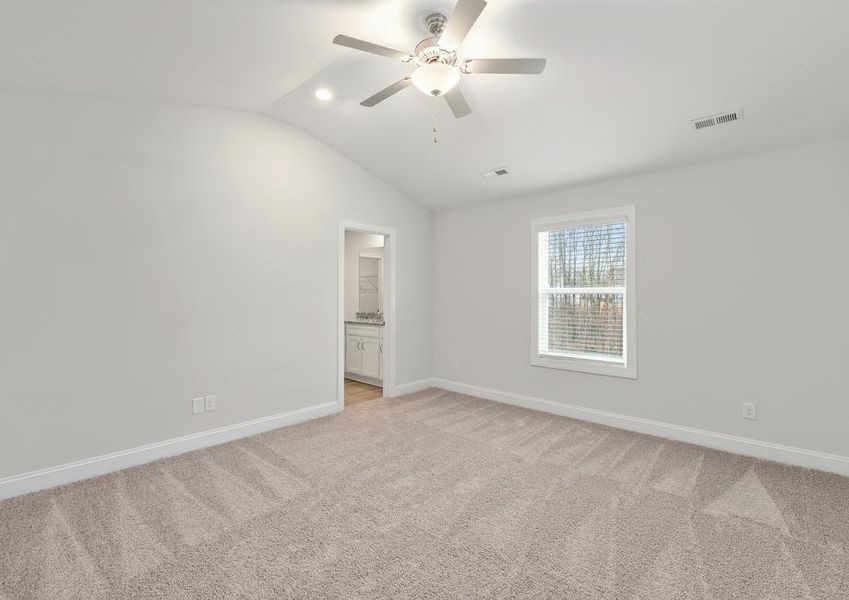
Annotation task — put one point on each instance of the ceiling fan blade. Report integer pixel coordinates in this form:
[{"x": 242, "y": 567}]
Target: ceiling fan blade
[
  {"x": 386, "y": 92},
  {"x": 457, "y": 102},
  {"x": 349, "y": 42},
  {"x": 460, "y": 23},
  {"x": 518, "y": 66}
]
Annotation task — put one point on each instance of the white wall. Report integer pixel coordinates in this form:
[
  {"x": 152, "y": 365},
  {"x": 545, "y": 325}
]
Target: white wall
[
  {"x": 150, "y": 254},
  {"x": 742, "y": 291},
  {"x": 356, "y": 242}
]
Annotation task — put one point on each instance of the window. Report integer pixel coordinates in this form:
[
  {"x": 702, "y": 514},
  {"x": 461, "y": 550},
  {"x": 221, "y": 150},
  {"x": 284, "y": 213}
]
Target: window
[{"x": 582, "y": 297}]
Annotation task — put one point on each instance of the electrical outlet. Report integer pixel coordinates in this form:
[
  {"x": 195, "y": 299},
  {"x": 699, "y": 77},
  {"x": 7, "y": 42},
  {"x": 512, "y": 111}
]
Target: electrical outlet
[
  {"x": 209, "y": 403},
  {"x": 455, "y": 364},
  {"x": 750, "y": 410},
  {"x": 197, "y": 406}
]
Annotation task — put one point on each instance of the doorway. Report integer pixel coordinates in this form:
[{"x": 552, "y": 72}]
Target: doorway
[{"x": 366, "y": 315}]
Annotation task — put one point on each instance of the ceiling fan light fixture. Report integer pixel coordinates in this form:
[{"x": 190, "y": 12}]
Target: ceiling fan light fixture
[
  {"x": 436, "y": 79},
  {"x": 438, "y": 68}
]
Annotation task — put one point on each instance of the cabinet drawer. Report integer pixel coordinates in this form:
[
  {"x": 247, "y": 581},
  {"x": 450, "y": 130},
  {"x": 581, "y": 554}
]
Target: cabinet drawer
[{"x": 364, "y": 330}]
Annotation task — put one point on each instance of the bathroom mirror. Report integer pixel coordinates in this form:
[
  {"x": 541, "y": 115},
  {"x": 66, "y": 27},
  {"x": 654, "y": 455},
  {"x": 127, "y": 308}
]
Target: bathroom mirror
[{"x": 370, "y": 283}]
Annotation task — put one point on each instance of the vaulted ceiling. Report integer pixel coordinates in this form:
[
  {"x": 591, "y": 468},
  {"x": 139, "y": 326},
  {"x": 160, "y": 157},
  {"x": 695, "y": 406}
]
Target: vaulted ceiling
[{"x": 624, "y": 77}]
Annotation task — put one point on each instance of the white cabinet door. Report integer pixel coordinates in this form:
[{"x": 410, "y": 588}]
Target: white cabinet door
[
  {"x": 353, "y": 355},
  {"x": 371, "y": 357}
]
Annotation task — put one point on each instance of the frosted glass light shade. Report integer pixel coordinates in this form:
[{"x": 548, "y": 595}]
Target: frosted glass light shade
[{"x": 436, "y": 79}]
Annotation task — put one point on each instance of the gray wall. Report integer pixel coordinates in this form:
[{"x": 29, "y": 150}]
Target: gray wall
[
  {"x": 151, "y": 254},
  {"x": 742, "y": 291}
]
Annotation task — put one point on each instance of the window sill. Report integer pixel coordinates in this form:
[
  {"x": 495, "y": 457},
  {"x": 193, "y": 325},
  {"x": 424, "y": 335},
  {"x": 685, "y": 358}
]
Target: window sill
[{"x": 585, "y": 366}]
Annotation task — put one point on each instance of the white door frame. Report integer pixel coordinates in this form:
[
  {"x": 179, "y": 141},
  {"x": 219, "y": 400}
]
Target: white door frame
[{"x": 389, "y": 245}]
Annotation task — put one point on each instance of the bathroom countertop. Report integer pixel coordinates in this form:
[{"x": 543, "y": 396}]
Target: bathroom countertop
[{"x": 375, "y": 323}]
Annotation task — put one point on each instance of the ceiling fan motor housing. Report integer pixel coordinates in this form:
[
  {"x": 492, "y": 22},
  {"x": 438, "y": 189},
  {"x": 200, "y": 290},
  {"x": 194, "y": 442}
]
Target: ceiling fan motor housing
[
  {"x": 427, "y": 50},
  {"x": 434, "y": 54},
  {"x": 435, "y": 24}
]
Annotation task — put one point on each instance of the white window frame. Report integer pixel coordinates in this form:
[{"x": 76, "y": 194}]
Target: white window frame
[{"x": 588, "y": 365}]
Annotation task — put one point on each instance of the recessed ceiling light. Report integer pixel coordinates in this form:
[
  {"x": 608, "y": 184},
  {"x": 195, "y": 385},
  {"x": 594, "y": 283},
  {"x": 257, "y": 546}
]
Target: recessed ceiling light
[{"x": 323, "y": 94}]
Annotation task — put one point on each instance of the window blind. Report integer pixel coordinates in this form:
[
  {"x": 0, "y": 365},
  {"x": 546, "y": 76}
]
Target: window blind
[{"x": 582, "y": 291}]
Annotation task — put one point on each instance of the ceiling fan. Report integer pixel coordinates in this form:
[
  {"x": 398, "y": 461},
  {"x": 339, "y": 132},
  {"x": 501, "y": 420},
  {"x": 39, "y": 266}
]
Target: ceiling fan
[{"x": 438, "y": 68}]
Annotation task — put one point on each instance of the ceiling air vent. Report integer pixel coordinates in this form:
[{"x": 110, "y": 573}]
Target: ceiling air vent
[
  {"x": 725, "y": 118},
  {"x": 495, "y": 173}
]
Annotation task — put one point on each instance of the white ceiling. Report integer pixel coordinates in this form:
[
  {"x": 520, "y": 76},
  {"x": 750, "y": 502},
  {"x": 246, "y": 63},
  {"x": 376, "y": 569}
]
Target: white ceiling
[{"x": 623, "y": 79}]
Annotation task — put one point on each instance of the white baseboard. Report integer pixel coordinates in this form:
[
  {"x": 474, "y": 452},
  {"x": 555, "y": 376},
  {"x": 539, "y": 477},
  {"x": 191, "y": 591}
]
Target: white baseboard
[
  {"x": 801, "y": 457},
  {"x": 413, "y": 386},
  {"x": 25, "y": 483},
  {"x": 100, "y": 465},
  {"x": 363, "y": 379}
]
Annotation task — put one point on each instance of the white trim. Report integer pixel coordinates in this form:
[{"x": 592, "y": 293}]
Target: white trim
[
  {"x": 591, "y": 217},
  {"x": 413, "y": 386},
  {"x": 598, "y": 367},
  {"x": 389, "y": 279},
  {"x": 791, "y": 455},
  {"x": 33, "y": 481}
]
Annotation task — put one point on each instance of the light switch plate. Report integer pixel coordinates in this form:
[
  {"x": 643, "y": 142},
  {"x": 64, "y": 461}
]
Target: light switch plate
[
  {"x": 197, "y": 406},
  {"x": 750, "y": 410},
  {"x": 209, "y": 403}
]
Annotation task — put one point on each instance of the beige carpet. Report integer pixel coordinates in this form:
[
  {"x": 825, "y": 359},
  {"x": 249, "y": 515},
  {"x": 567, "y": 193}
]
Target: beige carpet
[{"x": 436, "y": 495}]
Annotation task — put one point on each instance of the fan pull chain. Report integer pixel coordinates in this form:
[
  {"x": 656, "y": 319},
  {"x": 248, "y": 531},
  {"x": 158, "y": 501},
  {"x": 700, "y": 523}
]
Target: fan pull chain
[{"x": 435, "y": 137}]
